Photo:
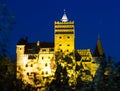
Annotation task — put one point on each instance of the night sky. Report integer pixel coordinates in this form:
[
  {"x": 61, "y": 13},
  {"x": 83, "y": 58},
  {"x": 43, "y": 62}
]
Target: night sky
[{"x": 35, "y": 19}]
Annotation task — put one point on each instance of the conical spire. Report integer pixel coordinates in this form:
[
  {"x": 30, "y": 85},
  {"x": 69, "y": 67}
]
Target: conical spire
[
  {"x": 64, "y": 18},
  {"x": 99, "y": 52}
]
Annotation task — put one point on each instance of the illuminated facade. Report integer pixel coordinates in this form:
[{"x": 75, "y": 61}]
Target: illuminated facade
[
  {"x": 64, "y": 35},
  {"x": 36, "y": 60}
]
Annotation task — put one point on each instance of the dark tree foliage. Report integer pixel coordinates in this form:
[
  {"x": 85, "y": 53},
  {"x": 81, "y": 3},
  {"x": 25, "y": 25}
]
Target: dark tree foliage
[
  {"x": 79, "y": 83},
  {"x": 7, "y": 74},
  {"x": 76, "y": 55},
  {"x": 61, "y": 80},
  {"x": 67, "y": 59}
]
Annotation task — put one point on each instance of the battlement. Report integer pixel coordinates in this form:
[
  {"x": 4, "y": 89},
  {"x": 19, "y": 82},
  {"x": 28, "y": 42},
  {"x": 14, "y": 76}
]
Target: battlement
[{"x": 64, "y": 23}]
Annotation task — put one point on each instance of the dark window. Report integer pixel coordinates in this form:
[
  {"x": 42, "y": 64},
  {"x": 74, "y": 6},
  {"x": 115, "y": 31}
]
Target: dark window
[
  {"x": 42, "y": 58},
  {"x": 43, "y": 50},
  {"x": 68, "y": 45},
  {"x": 46, "y": 64},
  {"x": 46, "y": 72},
  {"x": 28, "y": 73},
  {"x": 60, "y": 44},
  {"x": 93, "y": 62},
  {"x": 67, "y": 50},
  {"x": 31, "y": 65},
  {"x": 26, "y": 65},
  {"x": 31, "y": 57},
  {"x": 52, "y": 49},
  {"x": 18, "y": 67},
  {"x": 60, "y": 37},
  {"x": 42, "y": 72},
  {"x": 68, "y": 37},
  {"x": 20, "y": 48}
]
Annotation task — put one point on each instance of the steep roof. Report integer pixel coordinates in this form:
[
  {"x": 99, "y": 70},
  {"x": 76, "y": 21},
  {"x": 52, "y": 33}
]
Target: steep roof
[
  {"x": 33, "y": 48},
  {"x": 22, "y": 41},
  {"x": 98, "y": 52},
  {"x": 64, "y": 18}
]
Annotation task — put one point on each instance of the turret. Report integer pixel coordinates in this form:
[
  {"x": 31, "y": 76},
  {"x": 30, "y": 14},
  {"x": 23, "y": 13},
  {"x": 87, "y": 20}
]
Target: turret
[
  {"x": 20, "y": 48},
  {"x": 99, "y": 52},
  {"x": 64, "y": 35}
]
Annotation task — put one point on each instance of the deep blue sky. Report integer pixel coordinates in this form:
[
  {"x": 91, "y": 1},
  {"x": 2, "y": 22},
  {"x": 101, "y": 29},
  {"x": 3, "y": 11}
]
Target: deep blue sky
[{"x": 35, "y": 19}]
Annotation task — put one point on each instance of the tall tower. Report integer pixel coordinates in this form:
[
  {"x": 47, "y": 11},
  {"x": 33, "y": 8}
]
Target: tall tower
[
  {"x": 64, "y": 35},
  {"x": 99, "y": 52}
]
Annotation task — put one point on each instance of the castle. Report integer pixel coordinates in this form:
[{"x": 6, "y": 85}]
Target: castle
[{"x": 36, "y": 60}]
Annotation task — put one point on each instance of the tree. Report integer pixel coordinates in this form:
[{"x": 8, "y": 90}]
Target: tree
[
  {"x": 117, "y": 75},
  {"x": 7, "y": 74}
]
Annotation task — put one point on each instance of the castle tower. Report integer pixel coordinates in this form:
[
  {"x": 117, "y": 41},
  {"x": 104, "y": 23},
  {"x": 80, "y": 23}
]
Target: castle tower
[
  {"x": 20, "y": 48},
  {"x": 64, "y": 35},
  {"x": 99, "y": 52}
]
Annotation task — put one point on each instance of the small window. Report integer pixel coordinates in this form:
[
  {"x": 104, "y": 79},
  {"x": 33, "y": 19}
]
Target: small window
[
  {"x": 52, "y": 49},
  {"x": 31, "y": 65},
  {"x": 42, "y": 58},
  {"x": 31, "y": 57},
  {"x": 18, "y": 67},
  {"x": 20, "y": 48},
  {"x": 60, "y": 50},
  {"x": 60, "y": 37},
  {"x": 67, "y": 50},
  {"x": 42, "y": 72},
  {"x": 45, "y": 64},
  {"x": 60, "y": 44},
  {"x": 28, "y": 73},
  {"x": 26, "y": 65},
  {"x": 68, "y": 45},
  {"x": 43, "y": 50},
  {"x": 68, "y": 37},
  {"x": 46, "y": 72},
  {"x": 48, "y": 57}
]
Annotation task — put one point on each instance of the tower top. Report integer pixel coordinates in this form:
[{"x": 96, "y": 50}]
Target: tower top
[
  {"x": 99, "y": 52},
  {"x": 64, "y": 18}
]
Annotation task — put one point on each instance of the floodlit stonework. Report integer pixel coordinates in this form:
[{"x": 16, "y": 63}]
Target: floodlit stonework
[{"x": 37, "y": 61}]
